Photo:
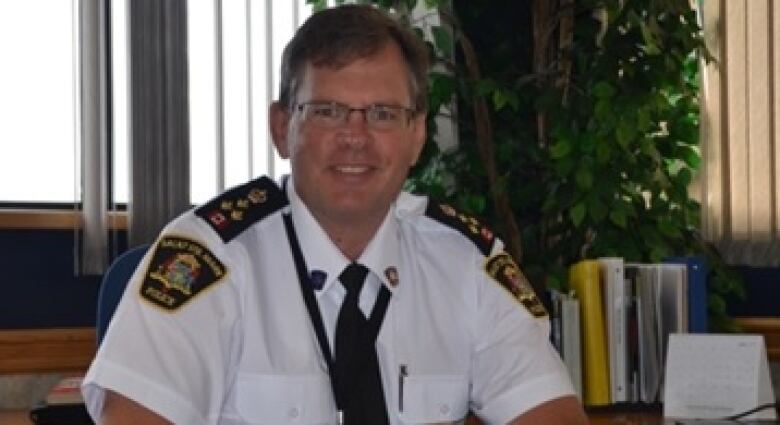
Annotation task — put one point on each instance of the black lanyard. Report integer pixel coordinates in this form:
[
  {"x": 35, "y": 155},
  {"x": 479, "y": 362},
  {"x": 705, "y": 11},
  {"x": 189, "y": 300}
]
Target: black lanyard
[{"x": 374, "y": 321}]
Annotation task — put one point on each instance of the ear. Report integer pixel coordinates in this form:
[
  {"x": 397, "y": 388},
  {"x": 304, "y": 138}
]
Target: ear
[
  {"x": 278, "y": 120},
  {"x": 418, "y": 136}
]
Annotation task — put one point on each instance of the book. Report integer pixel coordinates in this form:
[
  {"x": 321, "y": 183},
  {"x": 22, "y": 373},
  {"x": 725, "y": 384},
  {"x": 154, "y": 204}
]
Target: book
[
  {"x": 566, "y": 335},
  {"x": 572, "y": 346},
  {"x": 660, "y": 308},
  {"x": 697, "y": 291},
  {"x": 647, "y": 324},
  {"x": 615, "y": 304},
  {"x": 632, "y": 334},
  {"x": 584, "y": 280}
]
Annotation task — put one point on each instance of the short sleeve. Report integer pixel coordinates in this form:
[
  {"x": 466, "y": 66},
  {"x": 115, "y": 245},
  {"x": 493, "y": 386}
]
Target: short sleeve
[
  {"x": 515, "y": 366},
  {"x": 170, "y": 343}
]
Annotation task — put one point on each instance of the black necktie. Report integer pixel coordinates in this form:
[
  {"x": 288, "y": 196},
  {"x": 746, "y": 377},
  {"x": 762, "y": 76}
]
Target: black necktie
[{"x": 357, "y": 378}]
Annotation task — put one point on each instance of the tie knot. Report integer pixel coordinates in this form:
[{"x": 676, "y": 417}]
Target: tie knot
[{"x": 353, "y": 277}]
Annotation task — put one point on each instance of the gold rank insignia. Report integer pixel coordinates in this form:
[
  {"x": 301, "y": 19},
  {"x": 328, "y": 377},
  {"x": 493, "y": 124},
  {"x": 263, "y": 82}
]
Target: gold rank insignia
[
  {"x": 239, "y": 208},
  {"x": 257, "y": 196},
  {"x": 467, "y": 225},
  {"x": 503, "y": 269},
  {"x": 179, "y": 270}
]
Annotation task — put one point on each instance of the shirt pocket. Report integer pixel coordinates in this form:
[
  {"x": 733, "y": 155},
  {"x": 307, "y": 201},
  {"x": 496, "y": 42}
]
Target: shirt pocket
[
  {"x": 281, "y": 399},
  {"x": 431, "y": 399}
]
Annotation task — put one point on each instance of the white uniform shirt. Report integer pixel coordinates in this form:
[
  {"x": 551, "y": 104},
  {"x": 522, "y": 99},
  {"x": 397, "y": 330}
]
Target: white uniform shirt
[{"x": 244, "y": 350}]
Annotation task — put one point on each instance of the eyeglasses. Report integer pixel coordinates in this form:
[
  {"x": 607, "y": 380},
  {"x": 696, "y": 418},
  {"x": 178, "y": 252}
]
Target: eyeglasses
[{"x": 333, "y": 115}]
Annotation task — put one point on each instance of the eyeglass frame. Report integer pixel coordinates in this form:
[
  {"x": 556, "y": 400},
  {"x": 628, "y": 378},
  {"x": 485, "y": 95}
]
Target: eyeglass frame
[{"x": 347, "y": 112}]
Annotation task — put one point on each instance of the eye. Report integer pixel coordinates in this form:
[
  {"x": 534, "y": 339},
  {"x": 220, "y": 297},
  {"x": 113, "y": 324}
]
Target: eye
[
  {"x": 384, "y": 113},
  {"x": 328, "y": 111}
]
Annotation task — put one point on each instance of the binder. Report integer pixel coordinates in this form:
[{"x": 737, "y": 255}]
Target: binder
[
  {"x": 584, "y": 280},
  {"x": 615, "y": 305},
  {"x": 697, "y": 291},
  {"x": 660, "y": 298},
  {"x": 566, "y": 335}
]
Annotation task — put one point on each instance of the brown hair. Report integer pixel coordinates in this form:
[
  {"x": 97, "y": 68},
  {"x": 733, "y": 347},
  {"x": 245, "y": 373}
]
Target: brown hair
[{"x": 337, "y": 36}]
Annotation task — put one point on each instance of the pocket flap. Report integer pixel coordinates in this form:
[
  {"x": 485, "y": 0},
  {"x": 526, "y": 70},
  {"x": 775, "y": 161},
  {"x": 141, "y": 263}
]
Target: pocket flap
[
  {"x": 434, "y": 398},
  {"x": 280, "y": 399}
]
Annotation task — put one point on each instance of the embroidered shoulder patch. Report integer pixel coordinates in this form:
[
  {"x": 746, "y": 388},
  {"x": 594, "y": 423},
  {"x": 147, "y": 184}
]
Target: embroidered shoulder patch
[
  {"x": 235, "y": 210},
  {"x": 482, "y": 237},
  {"x": 179, "y": 270},
  {"x": 503, "y": 269}
]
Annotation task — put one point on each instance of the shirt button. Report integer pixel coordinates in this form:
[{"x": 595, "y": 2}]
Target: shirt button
[
  {"x": 444, "y": 409},
  {"x": 293, "y": 412}
]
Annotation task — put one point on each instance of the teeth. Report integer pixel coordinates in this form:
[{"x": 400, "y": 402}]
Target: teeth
[{"x": 352, "y": 169}]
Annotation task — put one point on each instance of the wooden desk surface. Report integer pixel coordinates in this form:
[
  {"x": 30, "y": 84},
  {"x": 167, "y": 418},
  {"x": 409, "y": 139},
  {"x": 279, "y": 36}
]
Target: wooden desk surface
[
  {"x": 14, "y": 417},
  {"x": 628, "y": 418},
  {"x": 19, "y": 417}
]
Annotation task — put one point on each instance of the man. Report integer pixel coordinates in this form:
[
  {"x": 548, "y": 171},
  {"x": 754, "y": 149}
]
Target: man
[{"x": 334, "y": 298}]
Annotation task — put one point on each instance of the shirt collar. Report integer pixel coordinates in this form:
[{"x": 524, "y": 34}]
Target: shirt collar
[{"x": 320, "y": 253}]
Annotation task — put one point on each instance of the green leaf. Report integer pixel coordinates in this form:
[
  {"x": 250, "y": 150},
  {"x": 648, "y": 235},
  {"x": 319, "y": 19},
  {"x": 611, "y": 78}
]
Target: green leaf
[
  {"x": 577, "y": 213},
  {"x": 669, "y": 229},
  {"x": 587, "y": 142},
  {"x": 618, "y": 218},
  {"x": 513, "y": 99},
  {"x": 443, "y": 40},
  {"x": 564, "y": 166},
  {"x": 643, "y": 120},
  {"x": 658, "y": 253},
  {"x": 553, "y": 282},
  {"x": 486, "y": 86},
  {"x": 584, "y": 178},
  {"x": 441, "y": 90},
  {"x": 560, "y": 149},
  {"x": 690, "y": 156},
  {"x": 499, "y": 99},
  {"x": 603, "y": 110},
  {"x": 603, "y": 152},
  {"x": 596, "y": 209},
  {"x": 603, "y": 90},
  {"x": 317, "y": 5},
  {"x": 683, "y": 178},
  {"x": 475, "y": 204},
  {"x": 625, "y": 133}
]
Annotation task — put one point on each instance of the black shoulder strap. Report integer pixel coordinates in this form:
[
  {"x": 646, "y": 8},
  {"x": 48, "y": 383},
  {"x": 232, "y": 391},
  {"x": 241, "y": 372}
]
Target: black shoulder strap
[
  {"x": 469, "y": 226},
  {"x": 235, "y": 210}
]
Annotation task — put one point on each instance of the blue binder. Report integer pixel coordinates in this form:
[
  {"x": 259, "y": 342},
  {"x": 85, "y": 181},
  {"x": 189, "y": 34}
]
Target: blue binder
[{"x": 697, "y": 291}]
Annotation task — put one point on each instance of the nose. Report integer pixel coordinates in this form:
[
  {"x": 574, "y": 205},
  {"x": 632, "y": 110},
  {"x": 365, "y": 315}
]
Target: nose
[
  {"x": 357, "y": 117},
  {"x": 355, "y": 131}
]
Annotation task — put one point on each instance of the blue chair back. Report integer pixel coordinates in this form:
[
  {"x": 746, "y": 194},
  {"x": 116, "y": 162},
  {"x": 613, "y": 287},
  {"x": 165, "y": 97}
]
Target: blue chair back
[{"x": 113, "y": 286}]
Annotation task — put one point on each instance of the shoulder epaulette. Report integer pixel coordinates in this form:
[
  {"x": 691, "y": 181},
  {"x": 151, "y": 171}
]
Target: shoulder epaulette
[
  {"x": 469, "y": 226},
  {"x": 235, "y": 210}
]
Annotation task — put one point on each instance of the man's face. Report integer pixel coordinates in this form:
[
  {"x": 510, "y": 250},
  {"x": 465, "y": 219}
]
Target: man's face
[{"x": 351, "y": 172}]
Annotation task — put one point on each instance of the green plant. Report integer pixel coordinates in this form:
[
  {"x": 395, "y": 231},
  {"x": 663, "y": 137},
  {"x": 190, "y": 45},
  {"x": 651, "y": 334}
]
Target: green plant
[{"x": 578, "y": 129}]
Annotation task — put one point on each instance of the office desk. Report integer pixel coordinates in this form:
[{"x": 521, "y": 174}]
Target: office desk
[
  {"x": 19, "y": 417},
  {"x": 14, "y": 417},
  {"x": 632, "y": 418}
]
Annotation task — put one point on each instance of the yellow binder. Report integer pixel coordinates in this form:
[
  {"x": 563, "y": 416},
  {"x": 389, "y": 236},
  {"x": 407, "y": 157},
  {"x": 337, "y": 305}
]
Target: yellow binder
[{"x": 584, "y": 280}]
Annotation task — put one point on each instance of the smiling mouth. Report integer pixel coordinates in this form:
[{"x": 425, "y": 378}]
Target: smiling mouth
[{"x": 352, "y": 169}]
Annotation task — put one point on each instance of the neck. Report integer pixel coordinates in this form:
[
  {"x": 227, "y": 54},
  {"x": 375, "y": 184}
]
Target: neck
[{"x": 351, "y": 237}]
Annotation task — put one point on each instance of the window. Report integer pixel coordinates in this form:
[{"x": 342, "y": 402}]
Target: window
[
  {"x": 38, "y": 105},
  {"x": 234, "y": 74},
  {"x": 229, "y": 137},
  {"x": 234, "y": 49}
]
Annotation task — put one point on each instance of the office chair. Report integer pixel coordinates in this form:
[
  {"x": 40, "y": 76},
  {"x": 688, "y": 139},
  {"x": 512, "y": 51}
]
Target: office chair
[{"x": 113, "y": 285}]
